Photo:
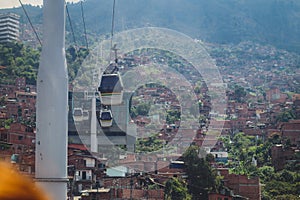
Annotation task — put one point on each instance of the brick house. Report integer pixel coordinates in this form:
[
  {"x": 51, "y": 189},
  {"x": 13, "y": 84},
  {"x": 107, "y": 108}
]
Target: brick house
[
  {"x": 291, "y": 131},
  {"x": 296, "y": 105},
  {"x": 136, "y": 186},
  {"x": 215, "y": 196},
  {"x": 20, "y": 134},
  {"x": 84, "y": 169},
  {"x": 241, "y": 184},
  {"x": 26, "y": 102},
  {"x": 281, "y": 155}
]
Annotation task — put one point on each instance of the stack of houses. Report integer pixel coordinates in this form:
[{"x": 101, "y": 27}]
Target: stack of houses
[
  {"x": 92, "y": 176},
  {"x": 89, "y": 175}
]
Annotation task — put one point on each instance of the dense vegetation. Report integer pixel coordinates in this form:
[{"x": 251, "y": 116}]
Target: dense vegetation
[
  {"x": 75, "y": 57},
  {"x": 274, "y": 22},
  {"x": 140, "y": 109},
  {"x": 19, "y": 60},
  {"x": 176, "y": 189},
  {"x": 245, "y": 150},
  {"x": 149, "y": 144},
  {"x": 202, "y": 178}
]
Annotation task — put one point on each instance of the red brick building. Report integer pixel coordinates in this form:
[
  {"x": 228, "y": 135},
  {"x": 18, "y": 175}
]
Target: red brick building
[
  {"x": 242, "y": 185},
  {"x": 215, "y": 196},
  {"x": 84, "y": 169},
  {"x": 26, "y": 105},
  {"x": 291, "y": 131},
  {"x": 281, "y": 155},
  {"x": 20, "y": 134},
  {"x": 141, "y": 194}
]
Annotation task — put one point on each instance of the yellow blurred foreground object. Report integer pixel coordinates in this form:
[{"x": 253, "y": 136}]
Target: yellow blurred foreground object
[{"x": 14, "y": 186}]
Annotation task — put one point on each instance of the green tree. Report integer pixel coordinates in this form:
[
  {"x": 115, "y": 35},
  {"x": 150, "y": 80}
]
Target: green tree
[
  {"x": 20, "y": 60},
  {"x": 7, "y": 123},
  {"x": 202, "y": 178},
  {"x": 75, "y": 58},
  {"x": 287, "y": 196},
  {"x": 239, "y": 93},
  {"x": 143, "y": 109},
  {"x": 275, "y": 188},
  {"x": 2, "y": 101},
  {"x": 149, "y": 144},
  {"x": 266, "y": 173},
  {"x": 285, "y": 116},
  {"x": 173, "y": 116},
  {"x": 176, "y": 189}
]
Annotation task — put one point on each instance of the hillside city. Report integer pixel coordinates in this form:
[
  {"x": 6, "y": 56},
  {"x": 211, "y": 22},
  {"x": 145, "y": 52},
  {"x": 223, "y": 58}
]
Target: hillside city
[{"x": 249, "y": 149}]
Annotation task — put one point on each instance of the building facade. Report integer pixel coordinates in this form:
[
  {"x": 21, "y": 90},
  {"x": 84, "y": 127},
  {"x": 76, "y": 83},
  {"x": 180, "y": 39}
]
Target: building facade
[{"x": 9, "y": 27}]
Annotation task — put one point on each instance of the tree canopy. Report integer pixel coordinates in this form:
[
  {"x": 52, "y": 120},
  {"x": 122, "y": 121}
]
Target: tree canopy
[
  {"x": 202, "y": 178},
  {"x": 19, "y": 60},
  {"x": 176, "y": 189}
]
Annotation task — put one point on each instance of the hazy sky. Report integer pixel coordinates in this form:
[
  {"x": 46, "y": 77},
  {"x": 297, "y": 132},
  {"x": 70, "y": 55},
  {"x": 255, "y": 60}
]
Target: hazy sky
[{"x": 15, "y": 3}]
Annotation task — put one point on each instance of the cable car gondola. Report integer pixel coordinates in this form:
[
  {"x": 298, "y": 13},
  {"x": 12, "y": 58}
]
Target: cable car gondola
[
  {"x": 111, "y": 89},
  {"x": 78, "y": 114},
  {"x": 105, "y": 118},
  {"x": 85, "y": 115}
]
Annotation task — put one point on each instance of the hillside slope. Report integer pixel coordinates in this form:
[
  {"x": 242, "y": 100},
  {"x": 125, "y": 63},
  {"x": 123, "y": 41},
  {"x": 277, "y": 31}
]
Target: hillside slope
[{"x": 274, "y": 22}]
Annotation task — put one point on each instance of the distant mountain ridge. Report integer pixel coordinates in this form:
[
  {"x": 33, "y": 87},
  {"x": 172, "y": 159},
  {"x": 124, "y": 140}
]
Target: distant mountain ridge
[{"x": 274, "y": 22}]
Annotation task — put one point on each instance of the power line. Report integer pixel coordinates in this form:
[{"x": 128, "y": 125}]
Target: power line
[
  {"x": 85, "y": 35},
  {"x": 70, "y": 22},
  {"x": 112, "y": 34},
  {"x": 30, "y": 22},
  {"x": 112, "y": 23}
]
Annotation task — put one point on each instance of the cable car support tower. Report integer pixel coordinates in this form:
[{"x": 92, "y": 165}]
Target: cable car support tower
[{"x": 52, "y": 104}]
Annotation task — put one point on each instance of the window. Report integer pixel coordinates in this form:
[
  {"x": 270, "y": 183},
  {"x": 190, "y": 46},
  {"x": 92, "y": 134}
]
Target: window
[
  {"x": 101, "y": 165},
  {"x": 84, "y": 175}
]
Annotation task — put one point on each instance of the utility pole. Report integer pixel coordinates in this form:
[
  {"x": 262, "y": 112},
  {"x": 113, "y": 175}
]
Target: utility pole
[{"x": 52, "y": 104}]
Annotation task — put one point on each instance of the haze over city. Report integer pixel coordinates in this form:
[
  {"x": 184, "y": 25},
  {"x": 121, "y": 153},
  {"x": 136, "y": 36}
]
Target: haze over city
[{"x": 16, "y": 3}]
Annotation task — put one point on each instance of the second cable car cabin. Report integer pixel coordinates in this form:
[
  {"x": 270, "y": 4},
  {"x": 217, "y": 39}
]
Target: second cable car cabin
[
  {"x": 105, "y": 118},
  {"x": 78, "y": 114},
  {"x": 111, "y": 89}
]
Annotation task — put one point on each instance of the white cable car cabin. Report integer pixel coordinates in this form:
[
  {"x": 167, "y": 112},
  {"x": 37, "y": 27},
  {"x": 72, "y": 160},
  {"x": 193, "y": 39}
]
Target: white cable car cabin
[
  {"x": 78, "y": 114},
  {"x": 85, "y": 115},
  {"x": 105, "y": 118},
  {"x": 111, "y": 89}
]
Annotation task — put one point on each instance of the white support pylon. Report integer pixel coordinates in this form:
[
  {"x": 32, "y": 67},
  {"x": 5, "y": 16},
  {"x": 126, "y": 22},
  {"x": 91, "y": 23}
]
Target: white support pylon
[
  {"x": 52, "y": 104},
  {"x": 94, "y": 141}
]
